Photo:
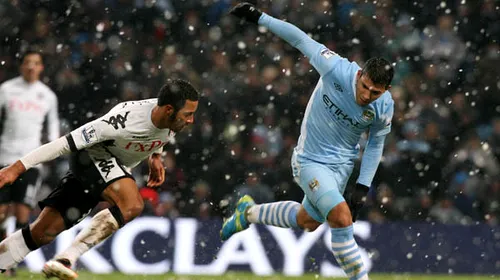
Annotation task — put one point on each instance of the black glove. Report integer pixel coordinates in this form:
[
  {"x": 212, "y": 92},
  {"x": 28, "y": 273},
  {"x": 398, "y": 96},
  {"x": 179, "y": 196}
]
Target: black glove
[
  {"x": 357, "y": 200},
  {"x": 246, "y": 11}
]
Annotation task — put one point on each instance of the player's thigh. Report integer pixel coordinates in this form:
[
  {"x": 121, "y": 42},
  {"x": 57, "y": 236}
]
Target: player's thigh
[
  {"x": 342, "y": 174},
  {"x": 71, "y": 199},
  {"x": 321, "y": 188},
  {"x": 312, "y": 212},
  {"x": 97, "y": 169},
  {"x": 106, "y": 178},
  {"x": 308, "y": 217},
  {"x": 22, "y": 212},
  {"x": 124, "y": 194},
  {"x": 26, "y": 187}
]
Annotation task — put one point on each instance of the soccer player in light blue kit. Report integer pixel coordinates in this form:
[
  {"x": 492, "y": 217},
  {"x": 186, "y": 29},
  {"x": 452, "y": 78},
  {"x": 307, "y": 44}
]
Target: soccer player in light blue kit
[{"x": 346, "y": 102}]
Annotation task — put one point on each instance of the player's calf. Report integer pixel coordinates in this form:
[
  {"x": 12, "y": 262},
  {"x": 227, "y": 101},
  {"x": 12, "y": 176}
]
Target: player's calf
[
  {"x": 102, "y": 225},
  {"x": 344, "y": 247},
  {"x": 15, "y": 247},
  {"x": 281, "y": 214}
]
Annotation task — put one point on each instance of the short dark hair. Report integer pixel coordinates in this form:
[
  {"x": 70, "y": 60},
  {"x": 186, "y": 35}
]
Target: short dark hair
[
  {"x": 29, "y": 51},
  {"x": 176, "y": 92},
  {"x": 379, "y": 70}
]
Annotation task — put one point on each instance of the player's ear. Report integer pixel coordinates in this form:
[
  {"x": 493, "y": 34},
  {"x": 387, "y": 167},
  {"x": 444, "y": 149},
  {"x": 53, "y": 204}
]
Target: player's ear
[
  {"x": 169, "y": 109},
  {"x": 388, "y": 87}
]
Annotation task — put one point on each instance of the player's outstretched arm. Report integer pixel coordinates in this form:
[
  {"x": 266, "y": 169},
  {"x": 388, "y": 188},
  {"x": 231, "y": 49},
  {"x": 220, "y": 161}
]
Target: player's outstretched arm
[
  {"x": 291, "y": 34},
  {"x": 41, "y": 154}
]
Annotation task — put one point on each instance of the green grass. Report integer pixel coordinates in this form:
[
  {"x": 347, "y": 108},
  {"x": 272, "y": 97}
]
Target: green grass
[{"x": 23, "y": 274}]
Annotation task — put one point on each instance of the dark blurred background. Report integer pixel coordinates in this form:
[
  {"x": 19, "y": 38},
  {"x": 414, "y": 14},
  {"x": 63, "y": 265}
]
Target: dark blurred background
[{"x": 441, "y": 161}]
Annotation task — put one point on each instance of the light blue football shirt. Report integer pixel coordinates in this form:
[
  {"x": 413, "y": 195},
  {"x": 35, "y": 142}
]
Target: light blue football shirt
[{"x": 333, "y": 122}]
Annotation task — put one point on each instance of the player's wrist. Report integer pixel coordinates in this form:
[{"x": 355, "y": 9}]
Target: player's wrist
[
  {"x": 19, "y": 167},
  {"x": 362, "y": 188},
  {"x": 155, "y": 157}
]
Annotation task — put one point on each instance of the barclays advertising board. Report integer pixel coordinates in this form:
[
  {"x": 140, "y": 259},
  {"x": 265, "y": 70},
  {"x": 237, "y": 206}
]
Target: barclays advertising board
[{"x": 153, "y": 245}]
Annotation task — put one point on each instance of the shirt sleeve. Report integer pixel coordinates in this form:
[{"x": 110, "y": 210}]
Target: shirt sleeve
[
  {"x": 46, "y": 153},
  {"x": 96, "y": 131},
  {"x": 383, "y": 123},
  {"x": 371, "y": 159},
  {"x": 375, "y": 146},
  {"x": 320, "y": 57},
  {"x": 158, "y": 151},
  {"x": 53, "y": 121}
]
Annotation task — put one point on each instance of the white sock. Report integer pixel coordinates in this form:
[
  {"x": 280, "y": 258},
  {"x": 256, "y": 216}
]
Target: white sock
[
  {"x": 13, "y": 249},
  {"x": 102, "y": 226}
]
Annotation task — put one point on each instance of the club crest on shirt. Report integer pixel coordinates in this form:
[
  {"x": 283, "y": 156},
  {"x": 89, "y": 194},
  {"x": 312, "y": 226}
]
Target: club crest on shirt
[
  {"x": 313, "y": 184},
  {"x": 368, "y": 115}
]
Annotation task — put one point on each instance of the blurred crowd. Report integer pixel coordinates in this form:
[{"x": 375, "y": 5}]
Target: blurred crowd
[{"x": 441, "y": 161}]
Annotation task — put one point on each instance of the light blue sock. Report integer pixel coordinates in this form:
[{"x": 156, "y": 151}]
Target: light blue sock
[
  {"x": 347, "y": 254},
  {"x": 281, "y": 214}
]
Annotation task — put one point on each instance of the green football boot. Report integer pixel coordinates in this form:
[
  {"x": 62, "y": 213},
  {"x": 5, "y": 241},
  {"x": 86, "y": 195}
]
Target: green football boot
[{"x": 237, "y": 222}]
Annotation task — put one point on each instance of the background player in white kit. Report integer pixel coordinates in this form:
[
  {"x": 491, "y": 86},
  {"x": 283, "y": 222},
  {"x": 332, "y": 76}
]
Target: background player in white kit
[
  {"x": 347, "y": 101},
  {"x": 27, "y": 108},
  {"x": 100, "y": 151}
]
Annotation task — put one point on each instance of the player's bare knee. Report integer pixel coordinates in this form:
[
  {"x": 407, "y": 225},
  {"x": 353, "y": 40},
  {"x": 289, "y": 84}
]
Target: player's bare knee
[
  {"x": 132, "y": 211},
  {"x": 307, "y": 225},
  {"x": 340, "y": 216}
]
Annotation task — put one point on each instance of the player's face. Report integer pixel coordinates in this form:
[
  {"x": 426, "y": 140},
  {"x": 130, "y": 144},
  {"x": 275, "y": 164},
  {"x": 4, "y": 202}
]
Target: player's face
[
  {"x": 367, "y": 91},
  {"x": 184, "y": 117},
  {"x": 32, "y": 67}
]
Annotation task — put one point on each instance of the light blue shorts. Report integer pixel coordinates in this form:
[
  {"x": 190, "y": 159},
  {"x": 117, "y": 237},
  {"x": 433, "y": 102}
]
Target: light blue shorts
[{"x": 323, "y": 185}]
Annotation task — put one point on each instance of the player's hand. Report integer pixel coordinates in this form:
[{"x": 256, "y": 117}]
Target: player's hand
[
  {"x": 246, "y": 11},
  {"x": 357, "y": 199},
  {"x": 10, "y": 173},
  {"x": 156, "y": 171}
]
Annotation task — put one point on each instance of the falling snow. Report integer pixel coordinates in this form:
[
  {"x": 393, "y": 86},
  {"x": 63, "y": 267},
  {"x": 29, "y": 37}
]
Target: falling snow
[{"x": 441, "y": 160}]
